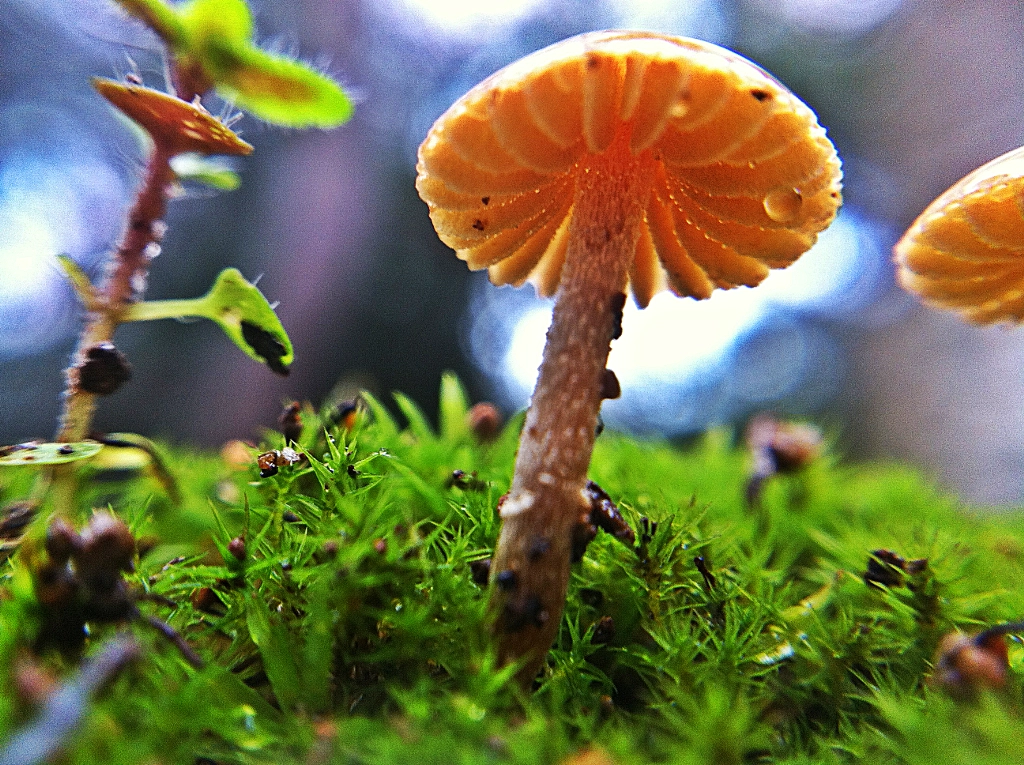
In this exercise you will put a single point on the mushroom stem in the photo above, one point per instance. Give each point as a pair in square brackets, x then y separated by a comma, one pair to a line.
[530, 571]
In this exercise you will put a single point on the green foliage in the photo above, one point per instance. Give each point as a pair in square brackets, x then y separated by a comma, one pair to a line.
[162, 18]
[276, 88]
[79, 280]
[240, 309]
[337, 610]
[215, 37]
[209, 171]
[39, 454]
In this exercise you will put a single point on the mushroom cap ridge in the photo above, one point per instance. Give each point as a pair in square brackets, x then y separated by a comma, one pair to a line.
[965, 252]
[746, 178]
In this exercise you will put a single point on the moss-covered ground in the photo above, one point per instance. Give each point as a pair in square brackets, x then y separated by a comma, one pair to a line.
[352, 626]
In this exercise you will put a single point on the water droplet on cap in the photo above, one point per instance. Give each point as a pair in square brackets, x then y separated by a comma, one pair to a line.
[680, 107]
[783, 205]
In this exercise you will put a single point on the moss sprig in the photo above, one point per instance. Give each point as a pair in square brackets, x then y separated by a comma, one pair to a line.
[338, 613]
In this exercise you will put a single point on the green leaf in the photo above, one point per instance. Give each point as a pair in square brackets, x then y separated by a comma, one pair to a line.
[453, 408]
[215, 37]
[206, 20]
[317, 654]
[158, 16]
[275, 88]
[272, 640]
[48, 453]
[385, 424]
[242, 312]
[209, 171]
[130, 451]
[74, 273]
[434, 499]
[325, 475]
[223, 687]
[419, 426]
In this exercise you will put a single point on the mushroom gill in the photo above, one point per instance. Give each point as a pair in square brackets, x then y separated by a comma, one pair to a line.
[745, 178]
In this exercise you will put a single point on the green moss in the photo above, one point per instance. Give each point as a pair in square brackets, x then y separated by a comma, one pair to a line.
[351, 629]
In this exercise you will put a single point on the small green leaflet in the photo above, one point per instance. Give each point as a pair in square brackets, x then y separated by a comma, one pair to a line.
[228, 20]
[158, 16]
[79, 280]
[271, 638]
[242, 312]
[453, 408]
[35, 453]
[276, 88]
[209, 171]
[217, 37]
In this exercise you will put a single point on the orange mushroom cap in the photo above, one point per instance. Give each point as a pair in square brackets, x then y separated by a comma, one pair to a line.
[177, 125]
[746, 177]
[965, 252]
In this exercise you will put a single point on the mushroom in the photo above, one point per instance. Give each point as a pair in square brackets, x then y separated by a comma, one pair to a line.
[965, 252]
[608, 159]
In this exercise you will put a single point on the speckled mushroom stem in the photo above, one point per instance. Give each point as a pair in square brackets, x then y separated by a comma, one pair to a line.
[530, 570]
[122, 284]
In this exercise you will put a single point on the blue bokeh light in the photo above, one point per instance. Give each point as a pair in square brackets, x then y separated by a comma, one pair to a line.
[686, 364]
[64, 199]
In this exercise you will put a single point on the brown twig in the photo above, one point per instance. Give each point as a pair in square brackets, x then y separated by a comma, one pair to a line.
[124, 282]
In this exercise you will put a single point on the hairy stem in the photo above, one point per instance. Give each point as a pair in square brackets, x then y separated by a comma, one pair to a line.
[125, 279]
[530, 571]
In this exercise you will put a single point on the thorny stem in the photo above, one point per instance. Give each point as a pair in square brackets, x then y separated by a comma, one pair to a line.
[530, 571]
[124, 280]
[189, 79]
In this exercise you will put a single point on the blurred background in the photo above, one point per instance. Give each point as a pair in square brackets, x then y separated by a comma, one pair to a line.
[915, 93]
